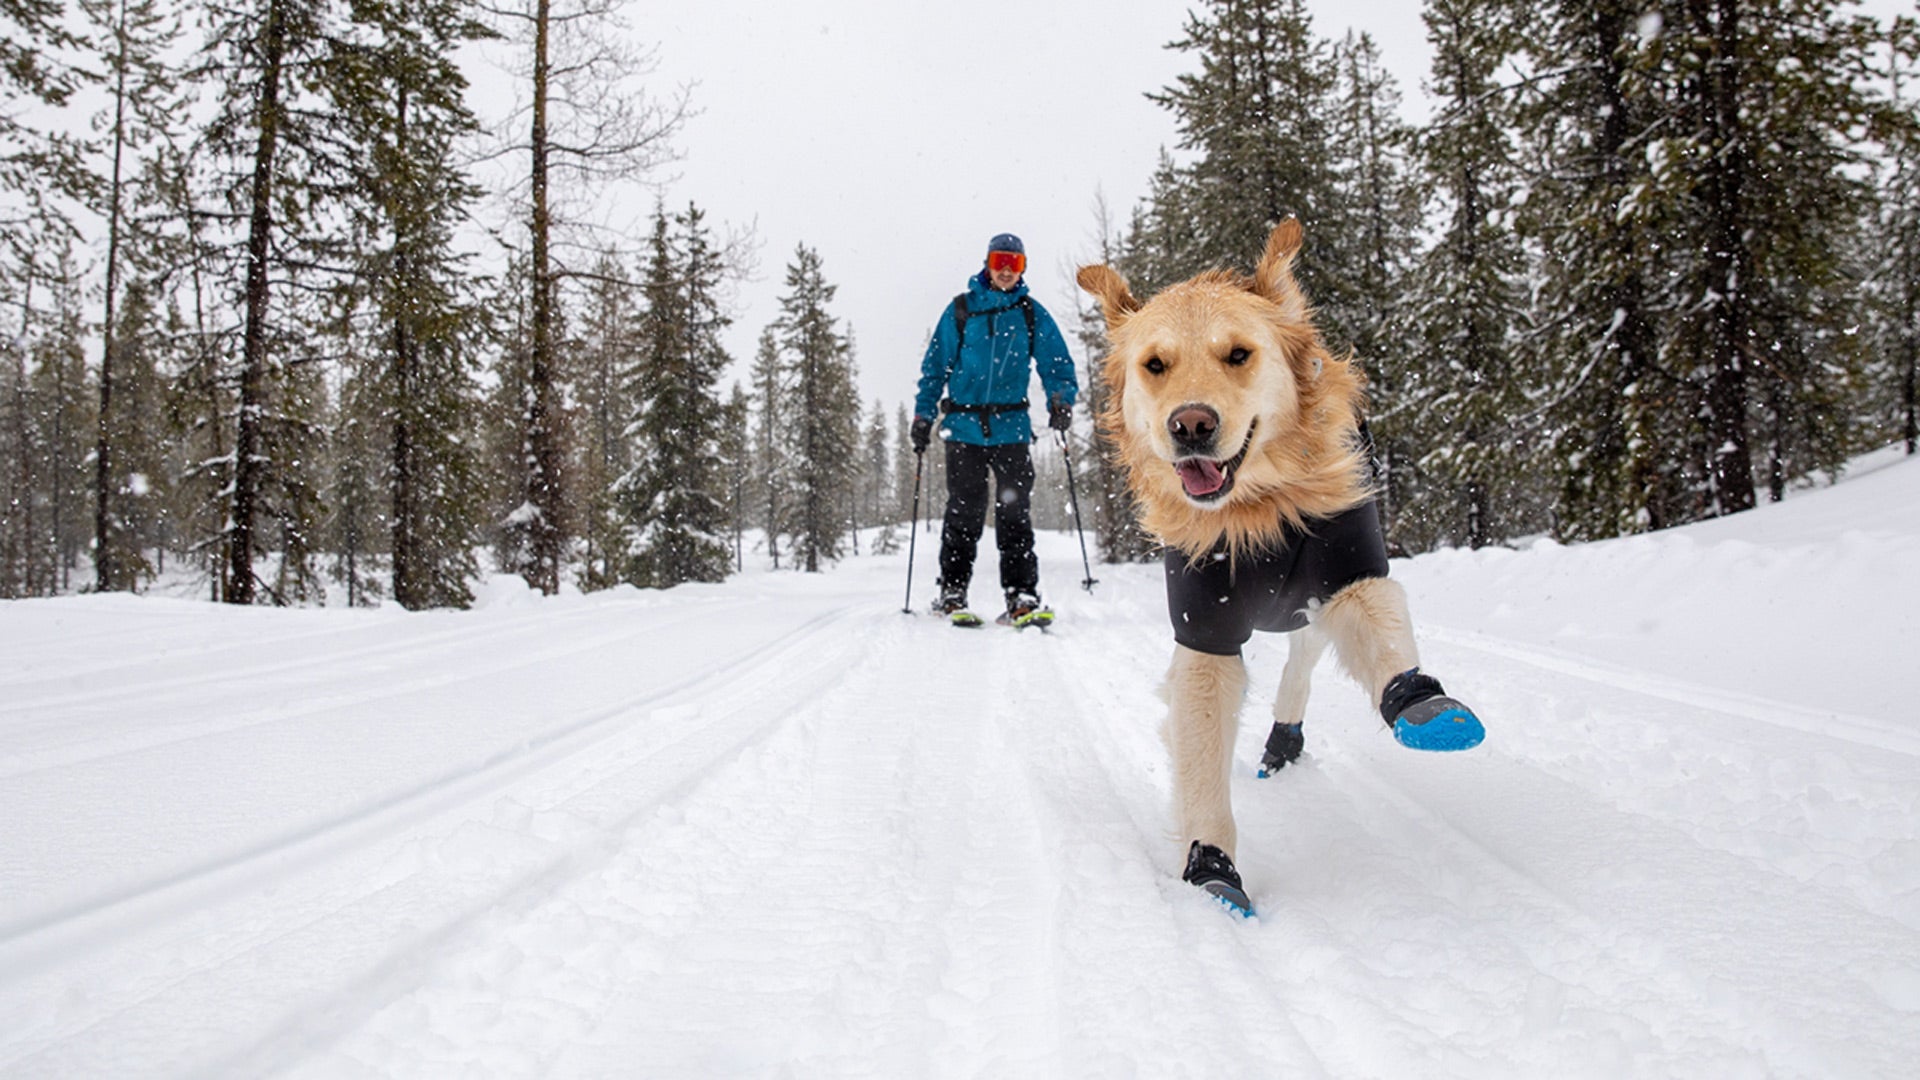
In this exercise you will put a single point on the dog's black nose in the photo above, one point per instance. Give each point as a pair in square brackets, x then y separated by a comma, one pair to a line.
[1193, 426]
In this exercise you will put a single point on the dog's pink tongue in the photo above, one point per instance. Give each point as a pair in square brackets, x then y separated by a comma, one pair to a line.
[1200, 476]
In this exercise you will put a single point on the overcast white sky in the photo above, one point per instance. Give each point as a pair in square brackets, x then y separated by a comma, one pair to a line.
[897, 137]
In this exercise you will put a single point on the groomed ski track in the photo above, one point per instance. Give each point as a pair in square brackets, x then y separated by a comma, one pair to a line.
[779, 828]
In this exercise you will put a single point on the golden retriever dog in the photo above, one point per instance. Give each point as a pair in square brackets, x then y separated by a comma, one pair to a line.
[1239, 435]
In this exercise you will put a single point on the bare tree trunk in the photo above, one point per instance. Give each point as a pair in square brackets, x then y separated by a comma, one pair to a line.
[110, 571]
[253, 352]
[1731, 463]
[543, 491]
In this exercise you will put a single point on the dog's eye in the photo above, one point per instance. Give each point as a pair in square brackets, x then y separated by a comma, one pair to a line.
[1155, 366]
[1237, 357]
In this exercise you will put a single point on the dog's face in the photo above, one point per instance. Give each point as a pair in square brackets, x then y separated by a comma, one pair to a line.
[1219, 399]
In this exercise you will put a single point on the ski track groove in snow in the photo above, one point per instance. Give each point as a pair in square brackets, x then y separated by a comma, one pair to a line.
[826, 839]
[413, 900]
[1866, 731]
[152, 694]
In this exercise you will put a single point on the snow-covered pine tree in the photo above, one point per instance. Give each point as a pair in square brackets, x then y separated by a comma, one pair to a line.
[674, 495]
[1378, 218]
[278, 144]
[905, 462]
[607, 339]
[772, 483]
[1462, 393]
[1896, 267]
[1595, 216]
[1762, 164]
[823, 413]
[46, 427]
[141, 476]
[1256, 118]
[396, 84]
[1106, 502]
[876, 473]
[736, 466]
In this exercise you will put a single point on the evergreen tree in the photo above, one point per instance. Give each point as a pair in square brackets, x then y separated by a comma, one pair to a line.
[273, 124]
[586, 126]
[736, 465]
[876, 503]
[142, 111]
[1897, 270]
[1464, 392]
[823, 417]
[1379, 218]
[1256, 117]
[398, 87]
[141, 474]
[609, 337]
[41, 167]
[675, 495]
[906, 466]
[45, 425]
[1594, 208]
[773, 473]
[1104, 489]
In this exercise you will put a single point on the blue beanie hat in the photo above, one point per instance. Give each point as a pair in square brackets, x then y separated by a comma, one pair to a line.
[1006, 241]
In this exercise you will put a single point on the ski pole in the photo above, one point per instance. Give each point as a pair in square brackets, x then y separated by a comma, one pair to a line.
[913, 531]
[1073, 497]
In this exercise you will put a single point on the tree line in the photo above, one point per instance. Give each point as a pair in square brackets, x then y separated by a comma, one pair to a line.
[255, 335]
[1648, 259]
[281, 314]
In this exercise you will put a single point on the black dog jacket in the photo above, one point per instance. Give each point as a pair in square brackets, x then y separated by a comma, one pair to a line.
[1217, 603]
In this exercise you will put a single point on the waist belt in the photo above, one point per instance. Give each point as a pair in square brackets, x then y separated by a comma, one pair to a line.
[984, 412]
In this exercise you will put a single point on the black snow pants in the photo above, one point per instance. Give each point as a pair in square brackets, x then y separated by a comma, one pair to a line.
[967, 468]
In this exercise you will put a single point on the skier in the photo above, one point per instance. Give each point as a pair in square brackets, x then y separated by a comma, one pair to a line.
[984, 351]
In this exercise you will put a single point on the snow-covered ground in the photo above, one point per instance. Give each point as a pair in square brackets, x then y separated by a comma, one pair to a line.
[778, 828]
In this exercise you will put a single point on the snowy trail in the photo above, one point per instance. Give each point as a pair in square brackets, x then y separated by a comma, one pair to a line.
[777, 828]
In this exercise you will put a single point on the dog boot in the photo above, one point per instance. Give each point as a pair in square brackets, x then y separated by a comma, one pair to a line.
[1284, 743]
[1212, 869]
[1423, 717]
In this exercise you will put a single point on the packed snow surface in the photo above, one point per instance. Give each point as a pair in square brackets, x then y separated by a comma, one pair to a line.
[777, 827]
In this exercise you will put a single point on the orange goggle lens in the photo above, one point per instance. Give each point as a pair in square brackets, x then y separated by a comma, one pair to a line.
[1007, 260]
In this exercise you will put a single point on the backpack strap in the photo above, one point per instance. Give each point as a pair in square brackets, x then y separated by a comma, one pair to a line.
[961, 315]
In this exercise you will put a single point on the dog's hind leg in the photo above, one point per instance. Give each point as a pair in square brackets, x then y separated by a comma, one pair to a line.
[1203, 712]
[1371, 632]
[1284, 742]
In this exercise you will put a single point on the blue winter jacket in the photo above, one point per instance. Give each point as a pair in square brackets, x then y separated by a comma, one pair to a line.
[993, 365]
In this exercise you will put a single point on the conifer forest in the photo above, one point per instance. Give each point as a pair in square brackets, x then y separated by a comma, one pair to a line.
[283, 317]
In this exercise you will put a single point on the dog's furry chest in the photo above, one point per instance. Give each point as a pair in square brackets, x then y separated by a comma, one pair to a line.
[1216, 604]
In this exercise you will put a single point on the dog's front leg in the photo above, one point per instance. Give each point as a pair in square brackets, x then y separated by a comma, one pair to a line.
[1373, 636]
[1372, 633]
[1203, 699]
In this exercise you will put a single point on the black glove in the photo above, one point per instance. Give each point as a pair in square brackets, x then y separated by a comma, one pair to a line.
[921, 434]
[1059, 415]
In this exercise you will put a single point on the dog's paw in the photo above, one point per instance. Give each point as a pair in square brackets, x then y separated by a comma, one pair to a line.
[1212, 870]
[1438, 723]
[1284, 744]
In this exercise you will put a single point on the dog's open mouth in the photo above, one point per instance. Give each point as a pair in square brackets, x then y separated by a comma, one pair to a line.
[1208, 479]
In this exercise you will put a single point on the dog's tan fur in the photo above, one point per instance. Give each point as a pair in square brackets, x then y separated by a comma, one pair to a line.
[1296, 409]
[1304, 462]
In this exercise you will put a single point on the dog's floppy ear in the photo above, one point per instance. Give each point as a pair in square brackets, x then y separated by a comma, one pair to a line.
[1273, 278]
[1116, 300]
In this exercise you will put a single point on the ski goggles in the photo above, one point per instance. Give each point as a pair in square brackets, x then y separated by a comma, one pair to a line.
[1006, 260]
